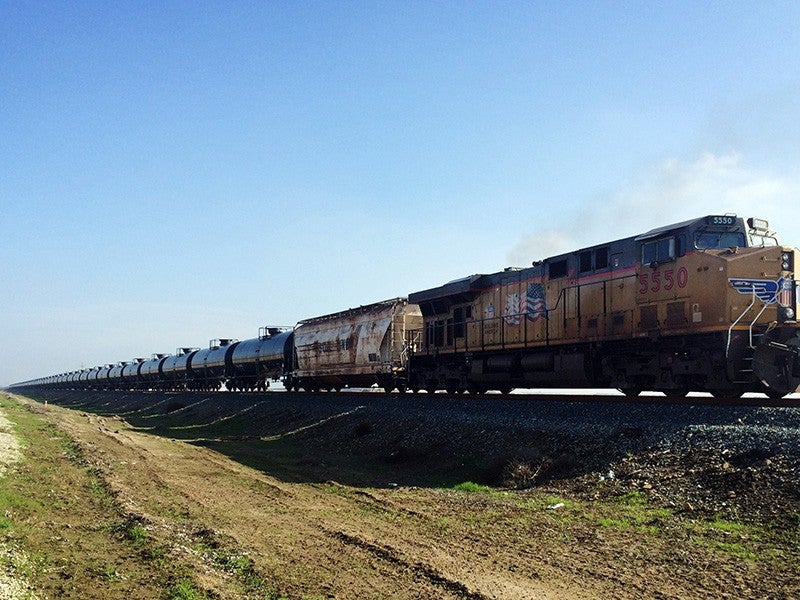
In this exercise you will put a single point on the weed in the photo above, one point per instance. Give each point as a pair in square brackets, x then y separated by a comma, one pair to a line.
[614, 523]
[469, 486]
[727, 526]
[521, 474]
[136, 534]
[106, 572]
[337, 489]
[736, 550]
[185, 589]
[635, 498]
[100, 493]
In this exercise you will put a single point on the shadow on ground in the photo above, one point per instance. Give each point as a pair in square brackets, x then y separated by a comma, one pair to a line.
[370, 440]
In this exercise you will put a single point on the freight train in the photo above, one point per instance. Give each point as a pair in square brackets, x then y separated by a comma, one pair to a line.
[708, 305]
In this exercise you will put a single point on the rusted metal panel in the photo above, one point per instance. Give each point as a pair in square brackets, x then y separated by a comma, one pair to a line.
[368, 340]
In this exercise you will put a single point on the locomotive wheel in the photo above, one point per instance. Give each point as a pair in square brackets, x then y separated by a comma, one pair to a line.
[677, 393]
[506, 390]
[730, 394]
[630, 392]
[774, 394]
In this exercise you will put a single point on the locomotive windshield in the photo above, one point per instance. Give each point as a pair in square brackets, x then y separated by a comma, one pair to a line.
[705, 240]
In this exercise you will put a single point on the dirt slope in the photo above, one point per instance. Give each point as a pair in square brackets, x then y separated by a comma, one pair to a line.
[321, 539]
[241, 532]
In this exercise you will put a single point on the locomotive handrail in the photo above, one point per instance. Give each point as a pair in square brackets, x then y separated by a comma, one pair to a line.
[753, 322]
[740, 317]
[736, 322]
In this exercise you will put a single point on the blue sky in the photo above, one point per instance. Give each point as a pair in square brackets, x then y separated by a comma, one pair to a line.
[176, 172]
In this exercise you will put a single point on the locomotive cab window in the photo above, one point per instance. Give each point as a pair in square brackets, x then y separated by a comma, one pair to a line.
[705, 240]
[591, 260]
[601, 258]
[460, 316]
[658, 251]
[585, 261]
[558, 269]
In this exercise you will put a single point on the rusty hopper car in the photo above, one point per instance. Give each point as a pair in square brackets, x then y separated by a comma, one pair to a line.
[704, 305]
[359, 347]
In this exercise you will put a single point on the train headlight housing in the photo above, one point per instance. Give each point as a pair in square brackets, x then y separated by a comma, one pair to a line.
[786, 261]
[785, 313]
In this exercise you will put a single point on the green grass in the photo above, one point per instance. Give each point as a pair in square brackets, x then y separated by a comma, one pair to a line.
[137, 535]
[469, 486]
[185, 589]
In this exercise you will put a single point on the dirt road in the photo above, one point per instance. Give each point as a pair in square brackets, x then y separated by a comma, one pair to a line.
[238, 532]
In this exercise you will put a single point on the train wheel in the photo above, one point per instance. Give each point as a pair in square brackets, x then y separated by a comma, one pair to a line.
[677, 393]
[774, 394]
[506, 390]
[630, 392]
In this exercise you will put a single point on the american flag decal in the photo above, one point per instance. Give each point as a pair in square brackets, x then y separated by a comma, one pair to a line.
[536, 305]
[784, 292]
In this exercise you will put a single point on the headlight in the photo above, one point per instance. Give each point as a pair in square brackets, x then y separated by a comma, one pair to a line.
[785, 262]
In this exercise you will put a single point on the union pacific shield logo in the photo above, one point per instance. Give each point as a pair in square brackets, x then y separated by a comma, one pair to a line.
[766, 290]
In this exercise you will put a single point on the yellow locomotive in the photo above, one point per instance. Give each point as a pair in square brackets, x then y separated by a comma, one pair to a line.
[704, 305]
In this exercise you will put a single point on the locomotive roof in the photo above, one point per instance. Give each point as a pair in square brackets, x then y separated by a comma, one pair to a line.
[356, 310]
[458, 287]
[462, 290]
[659, 230]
